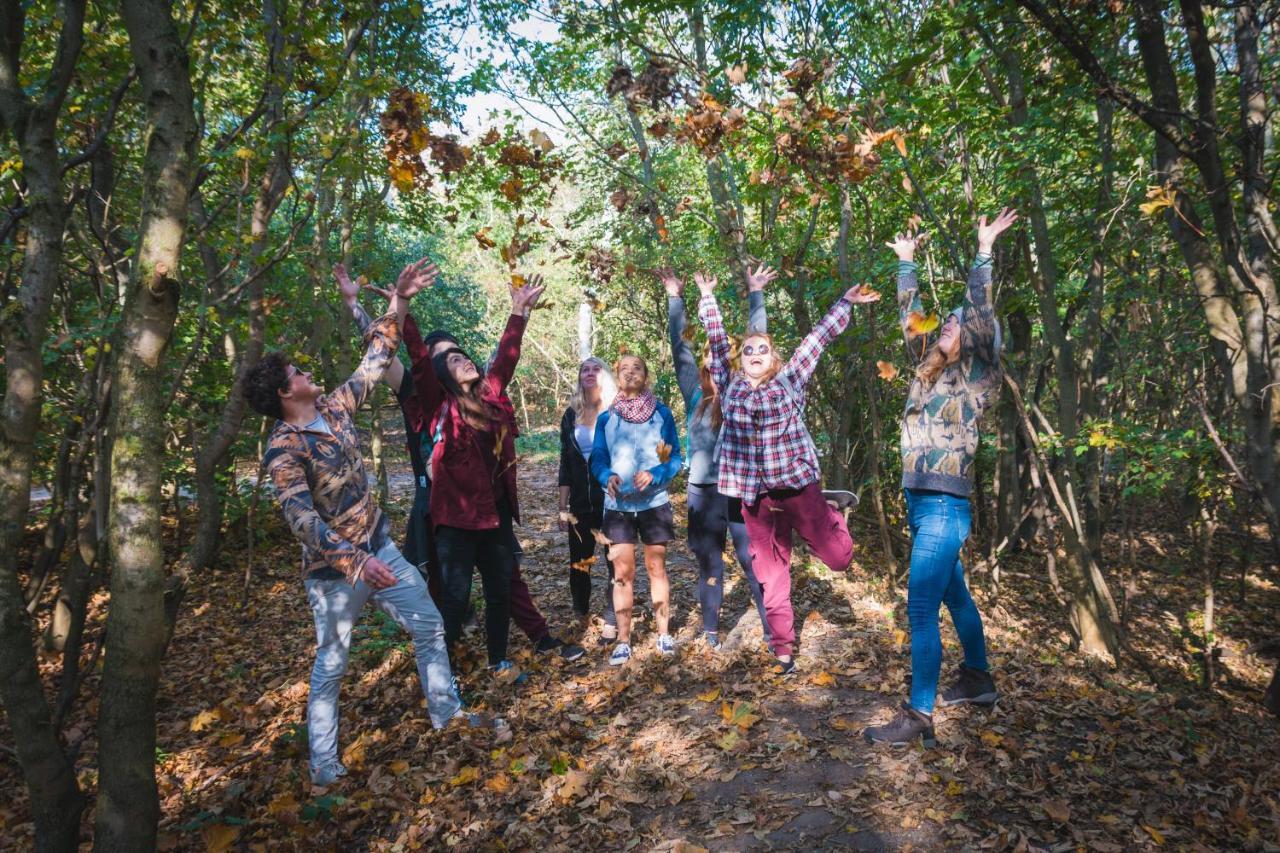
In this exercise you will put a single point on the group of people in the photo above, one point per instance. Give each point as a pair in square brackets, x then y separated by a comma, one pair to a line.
[753, 478]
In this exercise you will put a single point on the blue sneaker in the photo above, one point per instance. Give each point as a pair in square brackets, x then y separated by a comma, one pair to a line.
[457, 691]
[712, 639]
[621, 654]
[507, 671]
[666, 644]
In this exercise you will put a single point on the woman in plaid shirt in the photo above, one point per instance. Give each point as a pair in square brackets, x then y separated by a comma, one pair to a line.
[768, 459]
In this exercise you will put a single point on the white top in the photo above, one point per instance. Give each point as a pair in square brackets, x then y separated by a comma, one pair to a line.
[585, 436]
[319, 425]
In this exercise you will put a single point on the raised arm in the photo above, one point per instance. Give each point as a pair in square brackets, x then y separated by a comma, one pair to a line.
[904, 246]
[757, 280]
[709, 314]
[523, 300]
[381, 342]
[804, 361]
[294, 496]
[978, 328]
[350, 292]
[685, 363]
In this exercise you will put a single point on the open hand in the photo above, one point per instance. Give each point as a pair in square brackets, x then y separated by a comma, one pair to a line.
[706, 283]
[525, 298]
[673, 283]
[642, 481]
[989, 231]
[349, 290]
[759, 277]
[904, 245]
[861, 294]
[417, 277]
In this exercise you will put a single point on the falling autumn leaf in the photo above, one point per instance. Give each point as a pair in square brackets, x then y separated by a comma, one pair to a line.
[887, 371]
[921, 324]
[664, 451]
[482, 237]
[541, 140]
[601, 538]
[205, 719]
[1158, 199]
[737, 74]
[584, 565]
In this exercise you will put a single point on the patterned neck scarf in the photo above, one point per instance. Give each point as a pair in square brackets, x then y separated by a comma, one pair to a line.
[636, 410]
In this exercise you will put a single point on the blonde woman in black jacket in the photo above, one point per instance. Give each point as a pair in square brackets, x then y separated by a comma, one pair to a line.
[581, 497]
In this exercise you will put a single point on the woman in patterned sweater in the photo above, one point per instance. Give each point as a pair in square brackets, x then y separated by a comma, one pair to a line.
[957, 377]
[768, 459]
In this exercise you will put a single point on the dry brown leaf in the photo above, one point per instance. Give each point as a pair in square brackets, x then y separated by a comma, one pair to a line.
[465, 776]
[887, 371]
[574, 785]
[1059, 811]
[218, 837]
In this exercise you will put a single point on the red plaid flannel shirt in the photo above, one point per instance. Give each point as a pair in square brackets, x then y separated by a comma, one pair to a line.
[764, 443]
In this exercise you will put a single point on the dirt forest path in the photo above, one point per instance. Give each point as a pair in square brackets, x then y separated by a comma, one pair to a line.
[700, 751]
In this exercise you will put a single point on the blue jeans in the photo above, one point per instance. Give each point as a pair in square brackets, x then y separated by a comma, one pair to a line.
[939, 526]
[336, 606]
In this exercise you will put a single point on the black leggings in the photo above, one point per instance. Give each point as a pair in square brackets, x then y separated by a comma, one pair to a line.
[462, 551]
[582, 546]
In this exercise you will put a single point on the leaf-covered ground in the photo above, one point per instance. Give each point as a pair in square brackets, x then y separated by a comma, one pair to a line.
[706, 750]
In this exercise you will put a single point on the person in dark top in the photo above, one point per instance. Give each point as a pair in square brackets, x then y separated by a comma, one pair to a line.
[419, 545]
[581, 497]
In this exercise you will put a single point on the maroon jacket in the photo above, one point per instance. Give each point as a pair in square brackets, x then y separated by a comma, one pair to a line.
[461, 494]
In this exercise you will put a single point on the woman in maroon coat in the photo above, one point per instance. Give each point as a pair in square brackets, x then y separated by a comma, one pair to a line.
[473, 474]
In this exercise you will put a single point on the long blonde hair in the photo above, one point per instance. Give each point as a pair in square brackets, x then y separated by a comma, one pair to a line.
[608, 389]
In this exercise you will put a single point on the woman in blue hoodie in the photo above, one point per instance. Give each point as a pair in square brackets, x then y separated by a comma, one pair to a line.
[635, 456]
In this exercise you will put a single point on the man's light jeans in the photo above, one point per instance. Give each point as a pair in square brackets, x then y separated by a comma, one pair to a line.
[336, 606]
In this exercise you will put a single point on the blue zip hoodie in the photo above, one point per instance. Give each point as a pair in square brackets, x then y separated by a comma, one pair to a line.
[626, 449]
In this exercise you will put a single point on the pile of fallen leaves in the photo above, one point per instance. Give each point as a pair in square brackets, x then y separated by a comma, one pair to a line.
[702, 750]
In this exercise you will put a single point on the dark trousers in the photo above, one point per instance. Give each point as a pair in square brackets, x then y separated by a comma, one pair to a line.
[461, 552]
[523, 611]
[711, 522]
[582, 546]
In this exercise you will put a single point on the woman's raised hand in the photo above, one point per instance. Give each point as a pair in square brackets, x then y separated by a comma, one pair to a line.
[759, 277]
[706, 283]
[525, 298]
[861, 294]
[989, 231]
[672, 283]
[904, 245]
[416, 277]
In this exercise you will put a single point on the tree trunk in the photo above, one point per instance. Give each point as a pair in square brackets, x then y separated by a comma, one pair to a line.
[32, 121]
[128, 808]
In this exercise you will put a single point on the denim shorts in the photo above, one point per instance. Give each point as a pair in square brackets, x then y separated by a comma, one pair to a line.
[653, 526]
